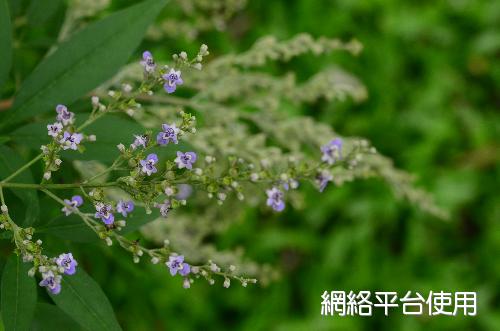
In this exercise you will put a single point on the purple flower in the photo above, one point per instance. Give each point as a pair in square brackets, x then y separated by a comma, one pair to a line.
[184, 191]
[164, 207]
[176, 264]
[323, 178]
[185, 160]
[71, 140]
[140, 141]
[172, 79]
[64, 115]
[169, 134]
[54, 129]
[148, 62]
[148, 165]
[275, 199]
[67, 262]
[51, 282]
[125, 207]
[71, 205]
[332, 151]
[104, 213]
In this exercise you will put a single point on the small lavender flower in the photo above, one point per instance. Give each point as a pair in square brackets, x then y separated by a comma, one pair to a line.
[184, 191]
[332, 151]
[70, 140]
[169, 134]
[54, 129]
[148, 62]
[176, 264]
[275, 199]
[148, 165]
[185, 160]
[71, 205]
[64, 115]
[51, 282]
[104, 212]
[67, 262]
[323, 178]
[125, 207]
[139, 141]
[164, 207]
[172, 79]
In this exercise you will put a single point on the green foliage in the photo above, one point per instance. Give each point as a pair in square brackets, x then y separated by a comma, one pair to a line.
[18, 300]
[5, 41]
[85, 302]
[429, 102]
[86, 60]
[10, 161]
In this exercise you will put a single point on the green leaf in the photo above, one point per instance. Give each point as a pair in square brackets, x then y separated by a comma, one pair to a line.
[18, 295]
[40, 11]
[5, 41]
[10, 161]
[50, 317]
[89, 58]
[82, 299]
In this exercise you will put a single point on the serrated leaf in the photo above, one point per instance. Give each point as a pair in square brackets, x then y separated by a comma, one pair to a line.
[18, 297]
[83, 300]
[10, 161]
[5, 41]
[89, 58]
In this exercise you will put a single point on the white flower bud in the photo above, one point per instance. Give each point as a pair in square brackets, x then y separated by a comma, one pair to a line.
[155, 260]
[240, 196]
[39, 242]
[109, 242]
[211, 281]
[31, 272]
[45, 149]
[121, 147]
[244, 284]
[95, 101]
[166, 242]
[92, 137]
[222, 196]
[2, 226]
[47, 175]
[254, 177]
[203, 49]
[169, 191]
[121, 223]
[127, 88]
[102, 107]
[198, 171]
[136, 259]
[183, 55]
[186, 283]
[227, 282]
[197, 66]
[140, 253]
[195, 270]
[111, 93]
[4, 209]
[235, 184]
[232, 268]
[58, 162]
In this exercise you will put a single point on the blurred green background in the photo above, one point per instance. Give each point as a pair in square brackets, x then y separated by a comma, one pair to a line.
[432, 71]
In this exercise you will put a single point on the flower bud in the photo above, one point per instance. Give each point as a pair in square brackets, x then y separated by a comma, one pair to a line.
[95, 101]
[4, 209]
[92, 137]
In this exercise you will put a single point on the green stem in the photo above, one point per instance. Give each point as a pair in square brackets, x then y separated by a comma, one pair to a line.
[43, 187]
[24, 167]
